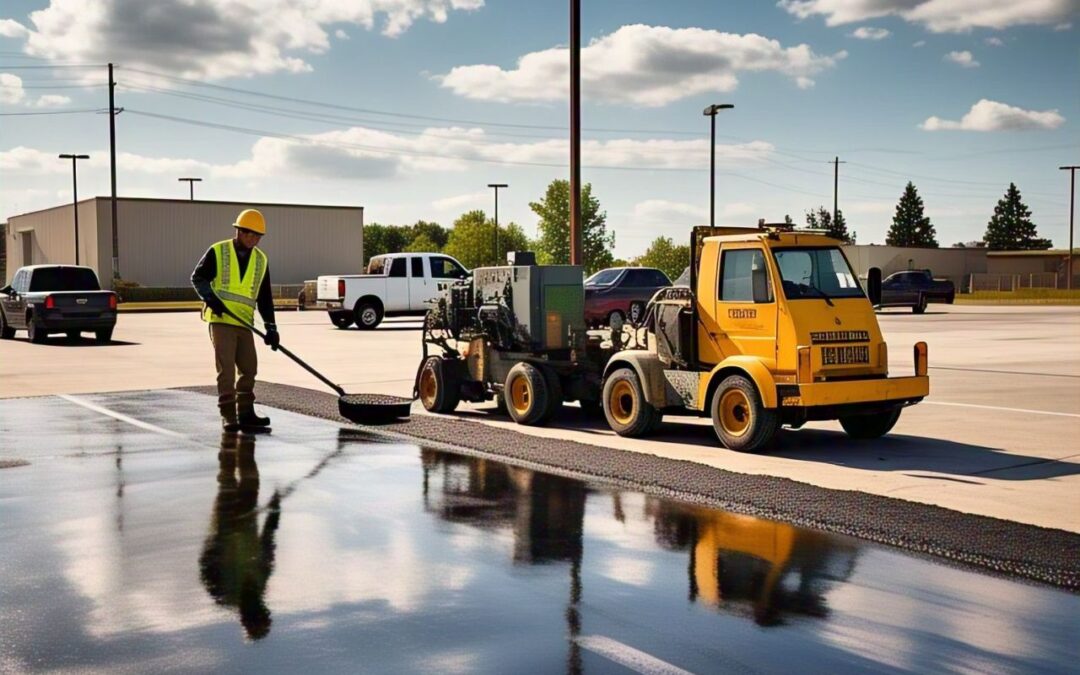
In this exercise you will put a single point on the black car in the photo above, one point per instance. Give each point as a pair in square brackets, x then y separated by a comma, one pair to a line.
[915, 289]
[44, 299]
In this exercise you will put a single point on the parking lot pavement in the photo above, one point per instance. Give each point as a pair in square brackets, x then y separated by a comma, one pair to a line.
[996, 437]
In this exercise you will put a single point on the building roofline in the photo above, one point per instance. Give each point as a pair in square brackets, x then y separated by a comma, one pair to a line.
[188, 201]
[1049, 252]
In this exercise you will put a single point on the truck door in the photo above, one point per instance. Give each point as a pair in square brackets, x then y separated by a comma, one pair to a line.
[397, 286]
[746, 302]
[419, 289]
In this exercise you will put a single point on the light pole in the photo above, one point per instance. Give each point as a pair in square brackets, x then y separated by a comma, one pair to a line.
[710, 112]
[496, 187]
[577, 256]
[191, 185]
[1072, 205]
[75, 196]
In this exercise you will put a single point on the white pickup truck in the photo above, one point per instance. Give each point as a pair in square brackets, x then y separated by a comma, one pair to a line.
[396, 284]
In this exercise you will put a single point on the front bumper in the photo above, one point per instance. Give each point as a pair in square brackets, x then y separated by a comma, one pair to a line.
[846, 392]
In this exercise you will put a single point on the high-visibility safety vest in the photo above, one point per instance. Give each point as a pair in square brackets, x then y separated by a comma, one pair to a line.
[239, 293]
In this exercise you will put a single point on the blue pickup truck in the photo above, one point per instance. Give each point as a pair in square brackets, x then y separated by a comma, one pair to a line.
[915, 289]
[45, 299]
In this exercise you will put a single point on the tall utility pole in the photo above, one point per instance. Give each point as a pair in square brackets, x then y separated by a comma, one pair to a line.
[112, 175]
[191, 185]
[835, 187]
[496, 187]
[710, 112]
[1072, 206]
[576, 257]
[75, 196]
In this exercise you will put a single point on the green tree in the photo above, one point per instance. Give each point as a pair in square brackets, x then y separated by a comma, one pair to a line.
[664, 255]
[1010, 228]
[435, 233]
[472, 240]
[821, 219]
[553, 244]
[910, 226]
[382, 239]
[421, 243]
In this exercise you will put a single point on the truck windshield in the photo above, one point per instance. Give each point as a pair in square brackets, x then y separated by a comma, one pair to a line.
[603, 278]
[63, 279]
[816, 273]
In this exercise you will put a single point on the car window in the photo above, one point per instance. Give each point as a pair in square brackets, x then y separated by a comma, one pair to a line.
[816, 272]
[445, 268]
[738, 269]
[417, 267]
[658, 278]
[376, 265]
[63, 279]
[16, 283]
[397, 267]
[603, 278]
[637, 279]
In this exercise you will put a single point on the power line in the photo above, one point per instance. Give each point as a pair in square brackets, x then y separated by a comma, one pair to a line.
[52, 112]
[52, 66]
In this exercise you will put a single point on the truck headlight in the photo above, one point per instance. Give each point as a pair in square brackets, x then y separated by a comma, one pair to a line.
[921, 365]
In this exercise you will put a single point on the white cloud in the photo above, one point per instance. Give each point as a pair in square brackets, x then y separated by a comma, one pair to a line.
[461, 201]
[653, 212]
[341, 34]
[212, 39]
[1063, 26]
[963, 59]
[920, 43]
[989, 115]
[939, 16]
[51, 101]
[641, 65]
[994, 42]
[12, 29]
[870, 33]
[11, 89]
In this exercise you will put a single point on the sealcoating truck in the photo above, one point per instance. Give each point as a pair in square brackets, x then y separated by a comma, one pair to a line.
[774, 330]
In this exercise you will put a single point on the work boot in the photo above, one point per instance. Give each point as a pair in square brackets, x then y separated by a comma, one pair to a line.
[229, 423]
[248, 418]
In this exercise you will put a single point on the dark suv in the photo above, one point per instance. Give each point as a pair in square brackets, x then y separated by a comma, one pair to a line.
[44, 299]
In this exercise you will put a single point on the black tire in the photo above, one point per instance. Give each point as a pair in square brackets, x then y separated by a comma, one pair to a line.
[528, 399]
[368, 315]
[625, 408]
[611, 317]
[555, 394]
[592, 408]
[921, 307]
[342, 319]
[740, 419]
[34, 332]
[73, 335]
[875, 425]
[439, 386]
[6, 331]
[103, 336]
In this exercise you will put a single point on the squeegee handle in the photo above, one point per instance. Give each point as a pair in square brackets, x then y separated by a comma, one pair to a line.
[299, 361]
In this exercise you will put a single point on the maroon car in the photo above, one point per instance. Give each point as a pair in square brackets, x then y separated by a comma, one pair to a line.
[622, 291]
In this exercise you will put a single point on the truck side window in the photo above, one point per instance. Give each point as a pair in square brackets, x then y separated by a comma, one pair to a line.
[397, 268]
[445, 268]
[417, 267]
[744, 277]
[376, 265]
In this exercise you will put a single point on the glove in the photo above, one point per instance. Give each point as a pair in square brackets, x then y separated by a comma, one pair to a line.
[272, 338]
[216, 305]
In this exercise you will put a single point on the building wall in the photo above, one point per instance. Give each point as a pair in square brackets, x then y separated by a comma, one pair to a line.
[52, 237]
[955, 264]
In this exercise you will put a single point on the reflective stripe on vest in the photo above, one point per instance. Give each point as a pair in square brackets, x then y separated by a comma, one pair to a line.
[238, 292]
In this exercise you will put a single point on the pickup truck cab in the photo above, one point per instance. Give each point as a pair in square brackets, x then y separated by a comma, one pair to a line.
[44, 299]
[396, 284]
[915, 289]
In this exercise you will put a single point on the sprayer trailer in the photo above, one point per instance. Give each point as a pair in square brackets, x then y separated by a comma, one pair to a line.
[774, 330]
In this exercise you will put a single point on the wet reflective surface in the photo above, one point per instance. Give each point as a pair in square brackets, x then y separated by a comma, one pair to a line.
[147, 541]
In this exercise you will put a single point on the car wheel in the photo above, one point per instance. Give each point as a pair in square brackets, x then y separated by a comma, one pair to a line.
[368, 315]
[72, 335]
[6, 331]
[637, 312]
[526, 393]
[921, 307]
[341, 319]
[616, 315]
[440, 391]
[36, 334]
[104, 335]
[740, 419]
[627, 412]
[870, 426]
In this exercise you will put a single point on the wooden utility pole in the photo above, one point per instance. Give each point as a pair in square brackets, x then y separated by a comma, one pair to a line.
[576, 257]
[835, 188]
[1072, 206]
[112, 175]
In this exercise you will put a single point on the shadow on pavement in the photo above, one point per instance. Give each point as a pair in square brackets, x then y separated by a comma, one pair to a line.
[64, 341]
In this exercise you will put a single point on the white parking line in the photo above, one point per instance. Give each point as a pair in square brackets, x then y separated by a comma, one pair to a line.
[995, 407]
[628, 657]
[123, 418]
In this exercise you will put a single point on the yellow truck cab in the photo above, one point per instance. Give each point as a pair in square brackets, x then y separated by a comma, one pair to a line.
[775, 329]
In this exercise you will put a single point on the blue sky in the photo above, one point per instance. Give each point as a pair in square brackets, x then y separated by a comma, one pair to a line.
[960, 97]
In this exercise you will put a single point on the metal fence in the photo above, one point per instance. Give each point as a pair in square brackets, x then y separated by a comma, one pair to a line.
[1012, 282]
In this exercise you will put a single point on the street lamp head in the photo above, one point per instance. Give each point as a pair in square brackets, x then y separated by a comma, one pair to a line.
[497, 185]
[194, 180]
[65, 156]
[717, 107]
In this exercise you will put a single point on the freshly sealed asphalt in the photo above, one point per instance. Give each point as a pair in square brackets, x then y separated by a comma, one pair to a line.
[136, 537]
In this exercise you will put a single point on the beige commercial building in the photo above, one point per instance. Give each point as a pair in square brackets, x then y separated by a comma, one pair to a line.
[955, 264]
[1048, 269]
[159, 241]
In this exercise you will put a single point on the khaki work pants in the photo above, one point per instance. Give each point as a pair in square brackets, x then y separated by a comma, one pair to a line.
[234, 350]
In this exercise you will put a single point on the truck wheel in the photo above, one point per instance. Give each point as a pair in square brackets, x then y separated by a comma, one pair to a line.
[440, 390]
[555, 393]
[740, 419]
[36, 334]
[921, 307]
[368, 315]
[627, 412]
[342, 319]
[870, 426]
[103, 336]
[6, 331]
[528, 399]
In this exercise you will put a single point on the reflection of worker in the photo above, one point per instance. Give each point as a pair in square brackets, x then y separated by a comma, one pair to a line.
[237, 561]
[235, 274]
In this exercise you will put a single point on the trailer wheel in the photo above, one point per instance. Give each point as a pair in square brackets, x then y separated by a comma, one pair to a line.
[528, 395]
[440, 390]
[740, 419]
[627, 412]
[874, 425]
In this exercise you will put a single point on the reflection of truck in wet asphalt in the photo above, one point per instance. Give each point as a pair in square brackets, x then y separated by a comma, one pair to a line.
[774, 330]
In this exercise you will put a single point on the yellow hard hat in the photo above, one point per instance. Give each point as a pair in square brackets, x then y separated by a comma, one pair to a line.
[250, 219]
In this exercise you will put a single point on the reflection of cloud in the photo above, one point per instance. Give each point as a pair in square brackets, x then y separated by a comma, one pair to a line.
[631, 571]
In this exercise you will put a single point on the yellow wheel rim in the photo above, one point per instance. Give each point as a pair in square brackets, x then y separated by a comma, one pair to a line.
[429, 387]
[621, 402]
[520, 395]
[735, 412]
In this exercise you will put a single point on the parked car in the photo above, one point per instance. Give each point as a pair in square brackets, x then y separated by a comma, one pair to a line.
[915, 289]
[622, 292]
[396, 284]
[45, 299]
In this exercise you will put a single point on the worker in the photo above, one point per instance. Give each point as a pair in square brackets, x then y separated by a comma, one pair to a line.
[234, 274]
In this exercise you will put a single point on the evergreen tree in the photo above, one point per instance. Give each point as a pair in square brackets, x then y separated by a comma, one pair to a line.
[910, 226]
[822, 219]
[1010, 228]
[553, 244]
